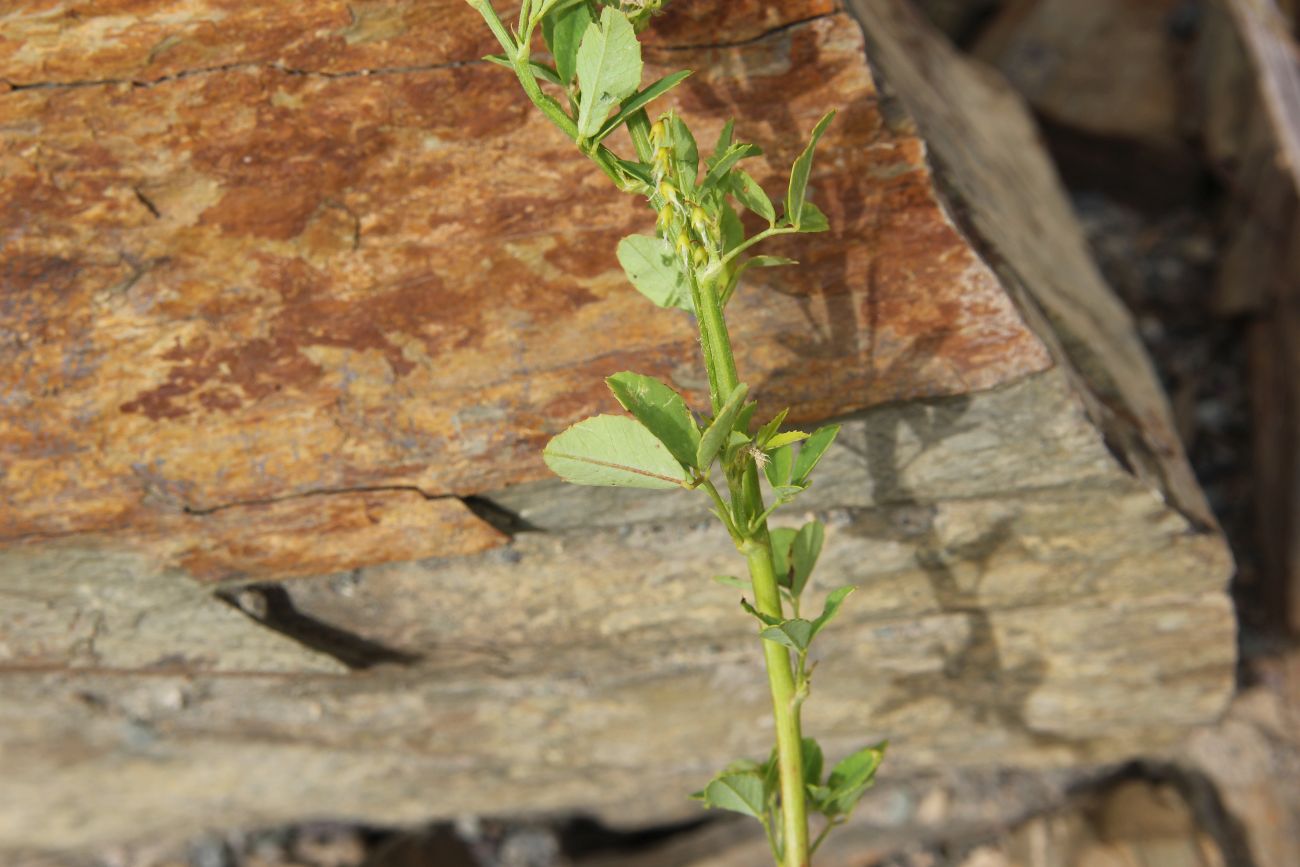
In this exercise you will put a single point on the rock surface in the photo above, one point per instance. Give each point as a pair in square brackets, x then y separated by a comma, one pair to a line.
[268, 315]
[1249, 84]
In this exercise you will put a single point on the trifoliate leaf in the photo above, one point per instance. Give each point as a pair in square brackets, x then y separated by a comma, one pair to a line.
[655, 271]
[662, 410]
[608, 67]
[615, 451]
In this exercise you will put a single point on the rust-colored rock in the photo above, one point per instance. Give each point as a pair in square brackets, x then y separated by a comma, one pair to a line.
[251, 283]
[265, 316]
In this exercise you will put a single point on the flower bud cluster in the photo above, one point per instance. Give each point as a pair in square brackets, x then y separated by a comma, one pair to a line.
[682, 222]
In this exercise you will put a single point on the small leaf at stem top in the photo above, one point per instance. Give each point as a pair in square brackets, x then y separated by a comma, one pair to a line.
[613, 451]
[662, 410]
[563, 31]
[608, 67]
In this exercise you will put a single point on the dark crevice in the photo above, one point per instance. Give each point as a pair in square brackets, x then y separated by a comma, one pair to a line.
[498, 517]
[272, 607]
[148, 204]
[741, 43]
[321, 492]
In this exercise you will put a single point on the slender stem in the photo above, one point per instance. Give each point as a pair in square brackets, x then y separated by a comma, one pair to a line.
[822, 836]
[713, 328]
[723, 512]
[789, 738]
[767, 596]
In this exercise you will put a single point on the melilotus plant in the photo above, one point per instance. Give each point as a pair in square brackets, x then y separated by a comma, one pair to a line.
[694, 261]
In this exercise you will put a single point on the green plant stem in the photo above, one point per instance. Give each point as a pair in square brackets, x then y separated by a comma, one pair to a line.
[757, 548]
[789, 738]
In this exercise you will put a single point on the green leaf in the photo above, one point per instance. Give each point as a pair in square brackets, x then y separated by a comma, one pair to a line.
[851, 777]
[794, 633]
[811, 219]
[767, 431]
[718, 171]
[818, 797]
[780, 463]
[787, 438]
[733, 231]
[720, 430]
[563, 32]
[732, 581]
[616, 451]
[609, 69]
[640, 99]
[539, 70]
[686, 155]
[639, 171]
[740, 793]
[833, 603]
[751, 195]
[810, 453]
[782, 538]
[661, 410]
[735, 442]
[766, 619]
[804, 552]
[812, 761]
[796, 194]
[654, 270]
[723, 143]
[765, 262]
[746, 415]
